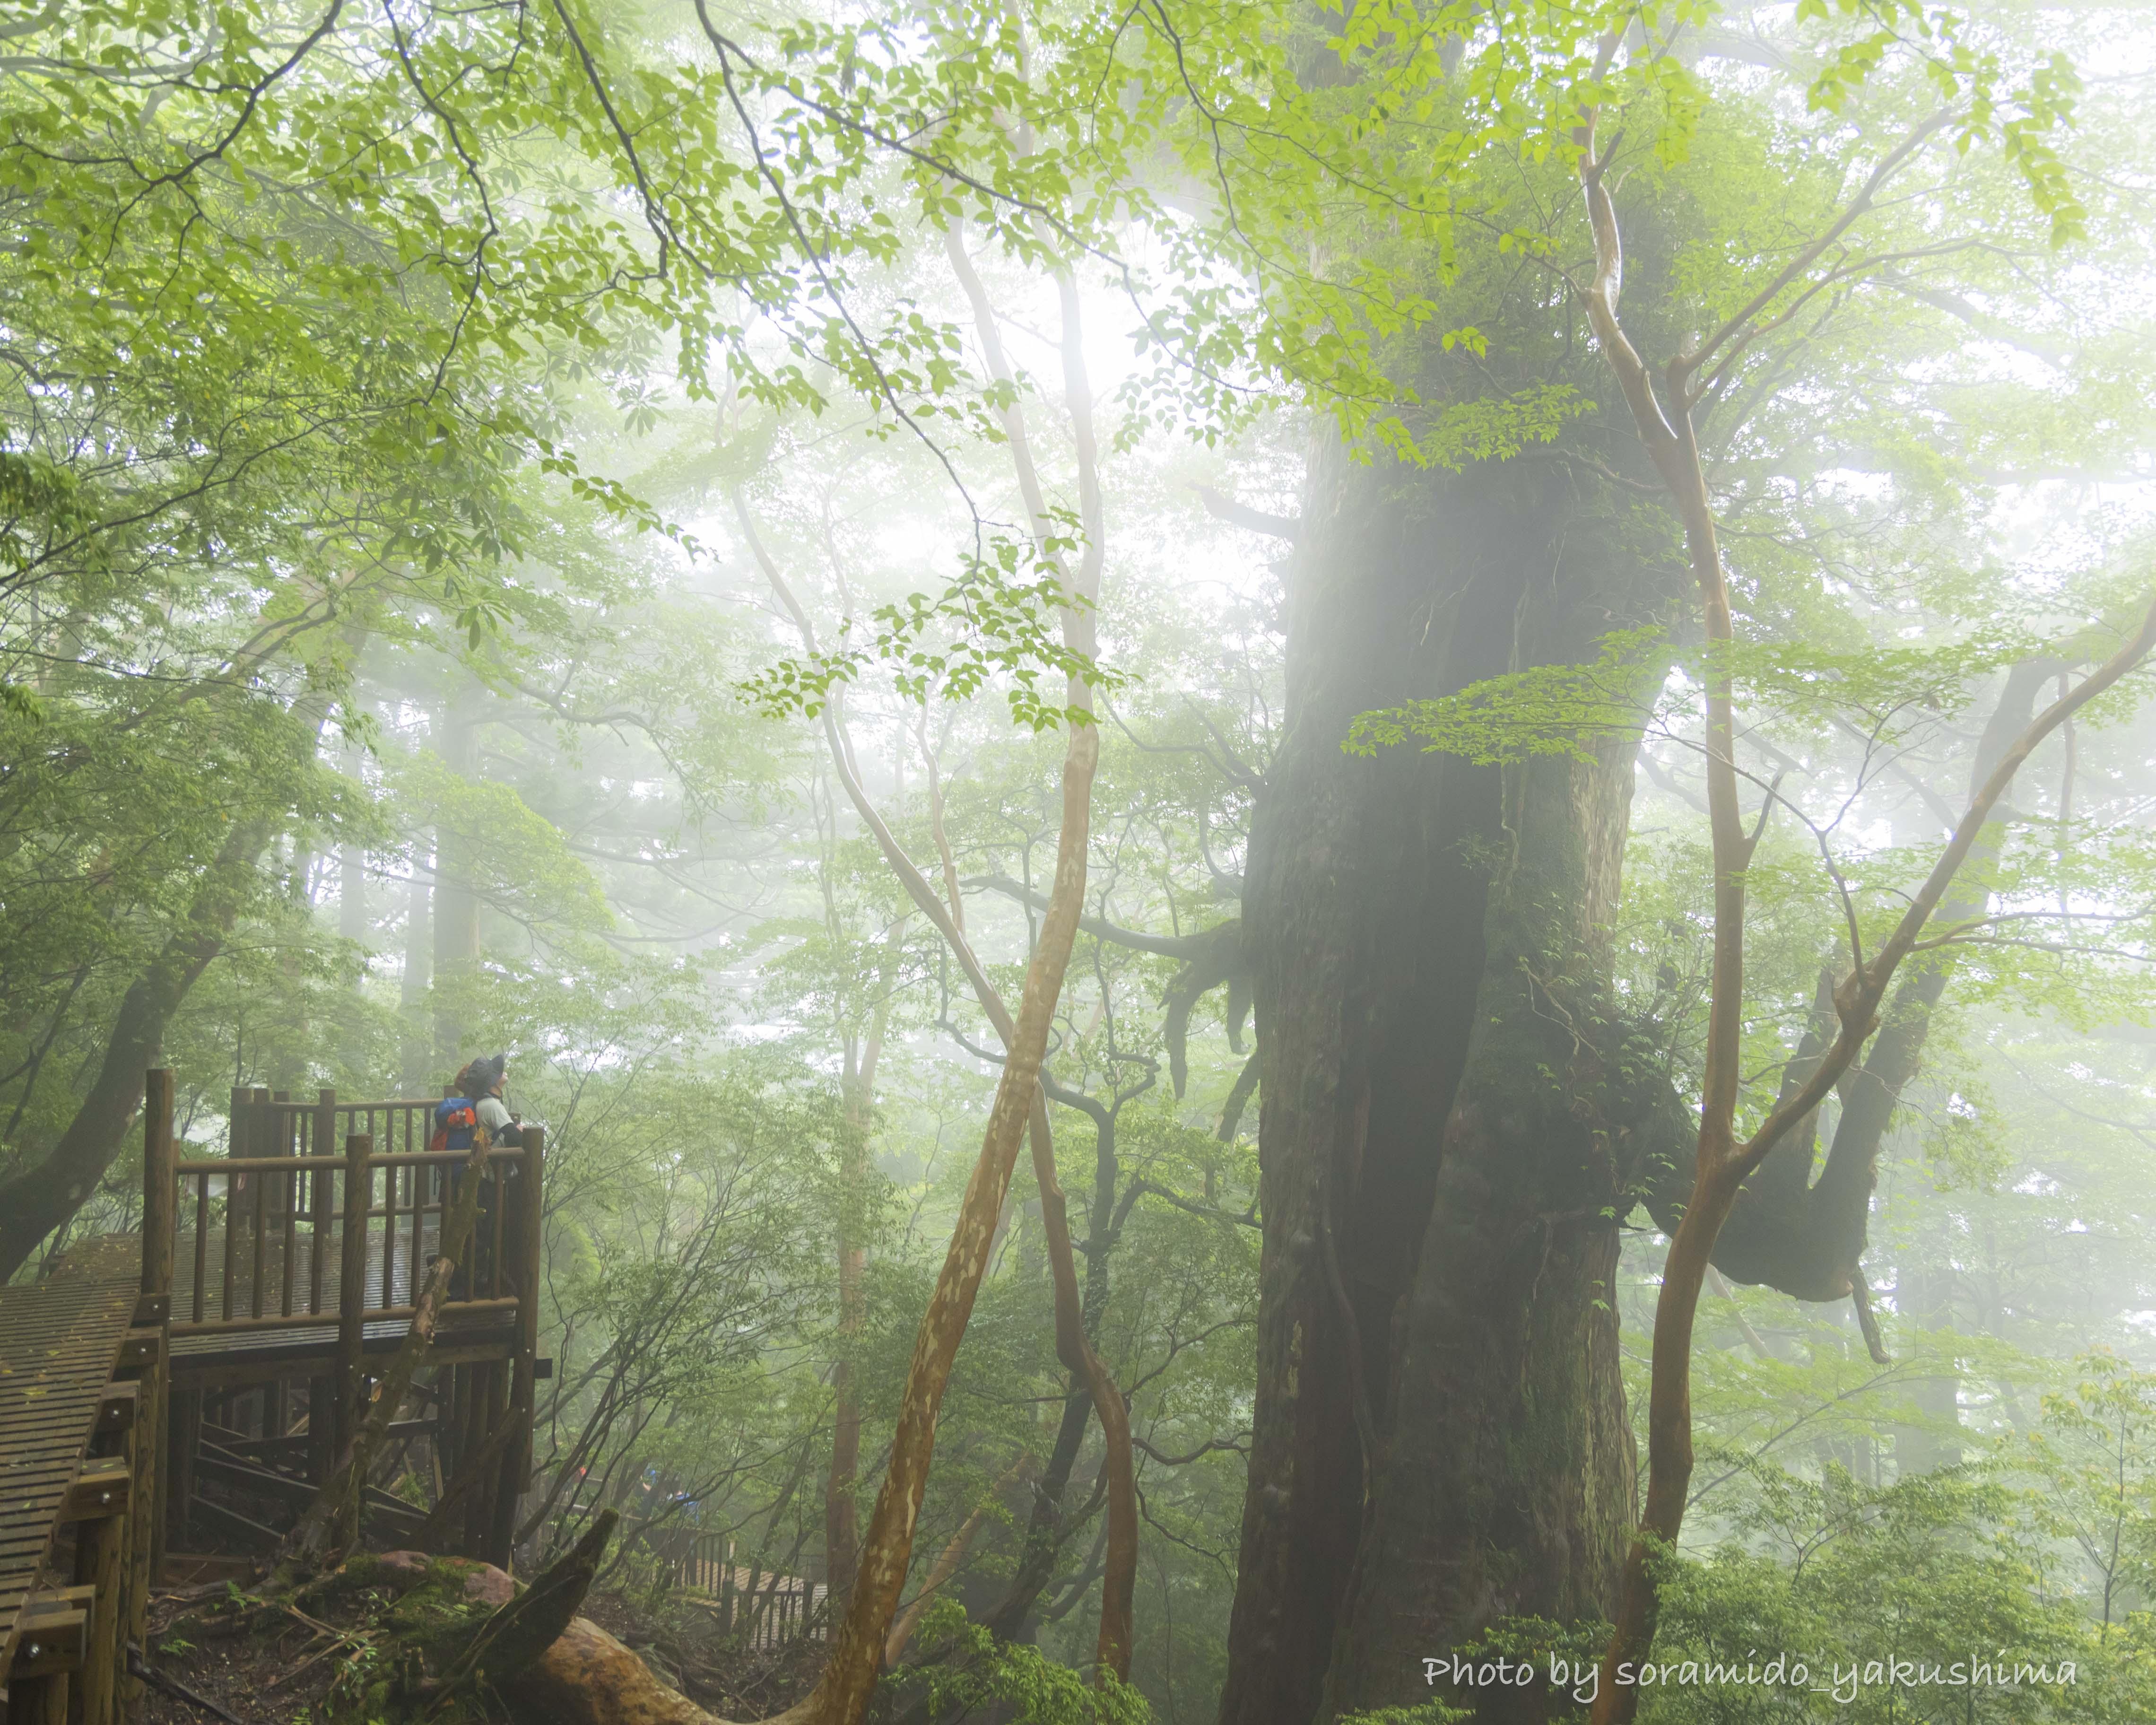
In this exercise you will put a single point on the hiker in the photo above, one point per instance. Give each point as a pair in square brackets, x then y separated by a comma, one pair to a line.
[476, 1103]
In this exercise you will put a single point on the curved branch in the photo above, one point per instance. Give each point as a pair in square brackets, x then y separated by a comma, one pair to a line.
[1253, 521]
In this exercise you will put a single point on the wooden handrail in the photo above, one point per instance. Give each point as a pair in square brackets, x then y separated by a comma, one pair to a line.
[400, 1158]
[324, 1320]
[289, 1106]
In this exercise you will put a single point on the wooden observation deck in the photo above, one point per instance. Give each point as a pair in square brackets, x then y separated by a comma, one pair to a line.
[191, 1387]
[295, 1255]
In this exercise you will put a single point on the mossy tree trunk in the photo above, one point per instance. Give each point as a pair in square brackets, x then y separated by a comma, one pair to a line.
[1440, 1430]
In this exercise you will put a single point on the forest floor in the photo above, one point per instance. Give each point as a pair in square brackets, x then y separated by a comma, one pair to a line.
[283, 1674]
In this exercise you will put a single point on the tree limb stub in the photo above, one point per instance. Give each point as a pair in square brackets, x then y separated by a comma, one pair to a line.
[510, 1641]
[1241, 514]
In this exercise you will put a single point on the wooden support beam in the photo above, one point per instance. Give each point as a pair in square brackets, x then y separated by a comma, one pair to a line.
[531, 1267]
[144, 1448]
[212, 1513]
[184, 1438]
[120, 1407]
[219, 1464]
[55, 1638]
[101, 1491]
[160, 1190]
[302, 1442]
[153, 1385]
[103, 1561]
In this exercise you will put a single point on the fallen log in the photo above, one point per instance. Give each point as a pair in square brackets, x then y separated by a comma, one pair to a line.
[582, 1676]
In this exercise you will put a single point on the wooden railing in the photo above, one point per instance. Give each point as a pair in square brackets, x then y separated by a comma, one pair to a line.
[260, 1228]
[303, 1248]
[766, 1609]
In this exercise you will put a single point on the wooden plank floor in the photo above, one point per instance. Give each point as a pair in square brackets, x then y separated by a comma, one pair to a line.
[59, 1344]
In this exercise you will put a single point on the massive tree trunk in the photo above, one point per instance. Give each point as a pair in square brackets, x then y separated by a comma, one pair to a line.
[1505, 1486]
[1434, 1328]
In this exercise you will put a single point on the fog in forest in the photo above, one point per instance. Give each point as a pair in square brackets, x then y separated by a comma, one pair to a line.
[1311, 846]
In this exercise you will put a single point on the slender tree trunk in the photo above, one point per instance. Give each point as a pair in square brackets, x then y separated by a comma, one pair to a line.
[1664, 422]
[43, 1198]
[1074, 1346]
[290, 1069]
[353, 922]
[414, 1056]
[456, 903]
[841, 1695]
[948, 1559]
[841, 1522]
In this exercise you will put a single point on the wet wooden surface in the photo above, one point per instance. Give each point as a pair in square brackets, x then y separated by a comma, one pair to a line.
[59, 1343]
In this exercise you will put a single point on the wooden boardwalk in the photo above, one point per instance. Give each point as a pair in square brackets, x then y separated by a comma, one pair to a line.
[62, 1340]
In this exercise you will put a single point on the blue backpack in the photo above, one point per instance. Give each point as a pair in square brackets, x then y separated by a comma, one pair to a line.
[456, 1119]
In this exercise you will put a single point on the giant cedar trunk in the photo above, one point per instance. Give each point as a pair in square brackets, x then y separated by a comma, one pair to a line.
[1506, 1484]
[1424, 1271]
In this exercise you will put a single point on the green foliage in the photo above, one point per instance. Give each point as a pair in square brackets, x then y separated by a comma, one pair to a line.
[975, 1670]
[1003, 629]
[1925, 1600]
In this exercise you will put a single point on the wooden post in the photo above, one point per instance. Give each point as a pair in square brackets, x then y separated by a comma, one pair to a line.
[39, 1701]
[351, 1283]
[184, 1443]
[161, 1202]
[527, 1250]
[479, 1379]
[101, 1564]
[318, 1191]
[142, 1445]
[321, 1390]
[235, 1145]
[260, 1137]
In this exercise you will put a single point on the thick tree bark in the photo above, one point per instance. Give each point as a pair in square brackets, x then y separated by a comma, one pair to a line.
[42, 1198]
[1399, 1201]
[1505, 1484]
